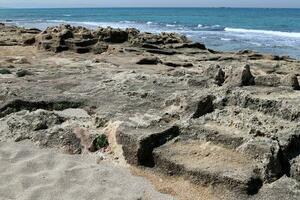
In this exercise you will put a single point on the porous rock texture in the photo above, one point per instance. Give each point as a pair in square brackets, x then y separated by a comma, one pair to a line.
[229, 121]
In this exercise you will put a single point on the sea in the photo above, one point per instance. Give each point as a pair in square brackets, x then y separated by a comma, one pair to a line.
[273, 31]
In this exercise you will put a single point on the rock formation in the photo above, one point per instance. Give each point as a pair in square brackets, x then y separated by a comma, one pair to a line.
[228, 121]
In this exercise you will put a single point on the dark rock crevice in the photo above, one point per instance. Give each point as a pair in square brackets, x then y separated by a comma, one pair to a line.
[18, 105]
[205, 106]
[254, 185]
[286, 154]
[139, 150]
[145, 153]
[289, 152]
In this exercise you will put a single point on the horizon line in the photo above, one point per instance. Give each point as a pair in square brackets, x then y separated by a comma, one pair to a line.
[225, 7]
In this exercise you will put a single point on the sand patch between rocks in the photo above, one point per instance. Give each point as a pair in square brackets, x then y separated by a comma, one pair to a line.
[29, 173]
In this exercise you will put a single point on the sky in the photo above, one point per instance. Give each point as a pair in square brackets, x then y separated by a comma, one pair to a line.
[150, 3]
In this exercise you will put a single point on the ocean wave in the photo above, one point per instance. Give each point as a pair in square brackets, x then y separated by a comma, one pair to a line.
[171, 25]
[56, 21]
[126, 22]
[209, 27]
[265, 32]
[225, 39]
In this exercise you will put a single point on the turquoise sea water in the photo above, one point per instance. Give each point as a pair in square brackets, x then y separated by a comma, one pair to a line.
[275, 31]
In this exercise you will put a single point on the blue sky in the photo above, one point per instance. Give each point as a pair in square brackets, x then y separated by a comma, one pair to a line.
[151, 3]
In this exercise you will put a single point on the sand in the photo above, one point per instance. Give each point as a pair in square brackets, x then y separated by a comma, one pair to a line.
[30, 173]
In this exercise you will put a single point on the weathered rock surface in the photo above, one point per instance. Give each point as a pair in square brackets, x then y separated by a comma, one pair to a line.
[229, 121]
[149, 61]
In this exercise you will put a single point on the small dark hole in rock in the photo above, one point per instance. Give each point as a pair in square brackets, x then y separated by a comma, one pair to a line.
[254, 185]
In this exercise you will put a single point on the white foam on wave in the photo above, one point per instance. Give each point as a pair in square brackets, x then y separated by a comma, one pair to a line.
[265, 32]
[57, 21]
[170, 25]
[226, 39]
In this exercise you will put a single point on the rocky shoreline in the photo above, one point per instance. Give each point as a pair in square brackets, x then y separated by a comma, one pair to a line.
[226, 121]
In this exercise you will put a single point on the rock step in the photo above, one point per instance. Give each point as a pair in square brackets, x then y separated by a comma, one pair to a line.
[216, 134]
[208, 164]
[249, 123]
[138, 144]
[234, 131]
[283, 104]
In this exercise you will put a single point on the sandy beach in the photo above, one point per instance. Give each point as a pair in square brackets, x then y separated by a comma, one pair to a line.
[29, 173]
